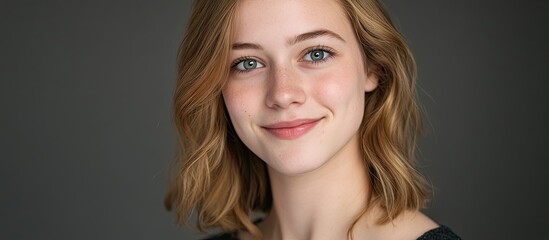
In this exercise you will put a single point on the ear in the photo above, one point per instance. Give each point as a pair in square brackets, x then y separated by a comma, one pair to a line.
[372, 78]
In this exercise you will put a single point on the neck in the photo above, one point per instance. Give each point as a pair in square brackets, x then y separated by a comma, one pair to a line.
[321, 204]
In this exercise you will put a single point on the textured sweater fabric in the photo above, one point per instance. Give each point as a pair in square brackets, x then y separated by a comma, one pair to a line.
[439, 233]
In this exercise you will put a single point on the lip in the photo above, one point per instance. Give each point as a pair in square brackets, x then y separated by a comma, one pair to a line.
[291, 129]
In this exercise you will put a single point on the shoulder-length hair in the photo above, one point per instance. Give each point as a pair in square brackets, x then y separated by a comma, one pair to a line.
[217, 176]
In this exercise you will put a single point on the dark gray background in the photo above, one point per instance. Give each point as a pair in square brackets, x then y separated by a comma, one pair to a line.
[86, 135]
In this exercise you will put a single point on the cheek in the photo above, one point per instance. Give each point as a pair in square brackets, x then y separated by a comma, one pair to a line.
[233, 100]
[340, 87]
[239, 103]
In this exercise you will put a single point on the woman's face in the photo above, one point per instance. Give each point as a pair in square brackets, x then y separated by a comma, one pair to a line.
[295, 95]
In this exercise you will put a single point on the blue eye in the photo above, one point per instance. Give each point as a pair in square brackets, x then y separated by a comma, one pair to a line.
[247, 65]
[316, 55]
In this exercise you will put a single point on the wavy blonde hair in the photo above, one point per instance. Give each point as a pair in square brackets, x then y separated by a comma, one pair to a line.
[217, 176]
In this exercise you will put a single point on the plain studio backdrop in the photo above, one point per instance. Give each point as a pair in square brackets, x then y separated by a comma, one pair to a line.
[86, 135]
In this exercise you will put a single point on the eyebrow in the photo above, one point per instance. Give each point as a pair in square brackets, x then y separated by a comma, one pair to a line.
[238, 46]
[315, 34]
[297, 39]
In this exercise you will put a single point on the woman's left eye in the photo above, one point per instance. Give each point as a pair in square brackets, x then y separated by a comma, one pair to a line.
[247, 64]
[316, 55]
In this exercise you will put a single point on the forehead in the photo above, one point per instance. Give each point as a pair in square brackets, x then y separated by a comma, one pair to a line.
[258, 20]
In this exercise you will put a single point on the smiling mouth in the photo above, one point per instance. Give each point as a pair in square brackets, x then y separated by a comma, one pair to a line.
[291, 130]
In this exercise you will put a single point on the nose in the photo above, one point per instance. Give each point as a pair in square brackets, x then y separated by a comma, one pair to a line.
[284, 89]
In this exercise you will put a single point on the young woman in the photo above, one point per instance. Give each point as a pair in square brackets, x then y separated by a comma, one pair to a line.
[303, 110]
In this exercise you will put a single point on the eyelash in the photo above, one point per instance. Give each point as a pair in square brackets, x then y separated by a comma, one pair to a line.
[331, 53]
[238, 61]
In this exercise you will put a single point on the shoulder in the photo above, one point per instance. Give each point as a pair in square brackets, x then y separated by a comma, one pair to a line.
[223, 236]
[235, 235]
[439, 233]
[408, 225]
[415, 223]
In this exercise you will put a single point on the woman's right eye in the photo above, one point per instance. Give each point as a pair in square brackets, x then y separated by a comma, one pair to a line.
[246, 65]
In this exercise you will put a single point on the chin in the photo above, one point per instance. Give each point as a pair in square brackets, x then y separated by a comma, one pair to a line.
[296, 165]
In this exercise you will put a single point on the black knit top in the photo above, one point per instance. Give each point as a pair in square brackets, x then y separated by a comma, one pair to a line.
[440, 233]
